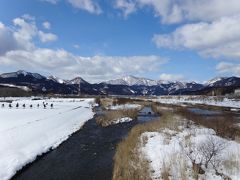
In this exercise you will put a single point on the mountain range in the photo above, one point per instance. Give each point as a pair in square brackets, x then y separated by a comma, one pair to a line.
[128, 85]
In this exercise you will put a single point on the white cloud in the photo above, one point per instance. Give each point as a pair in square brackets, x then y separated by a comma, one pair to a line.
[171, 77]
[7, 39]
[128, 6]
[67, 65]
[231, 68]
[214, 33]
[175, 11]
[20, 52]
[216, 39]
[25, 31]
[88, 5]
[168, 10]
[46, 25]
[51, 1]
[47, 37]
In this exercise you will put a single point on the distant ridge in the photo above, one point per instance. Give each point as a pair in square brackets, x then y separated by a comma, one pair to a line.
[127, 85]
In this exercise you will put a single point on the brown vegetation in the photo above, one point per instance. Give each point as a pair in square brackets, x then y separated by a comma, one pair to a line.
[113, 101]
[109, 117]
[129, 162]
[159, 108]
[223, 125]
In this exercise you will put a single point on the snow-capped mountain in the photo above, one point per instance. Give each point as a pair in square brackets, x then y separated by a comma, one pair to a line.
[211, 82]
[57, 79]
[136, 81]
[77, 80]
[35, 82]
[132, 81]
[22, 73]
[152, 87]
[159, 82]
[128, 85]
[224, 82]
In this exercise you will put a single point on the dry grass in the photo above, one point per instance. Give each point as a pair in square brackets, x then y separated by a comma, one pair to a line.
[113, 101]
[232, 164]
[195, 97]
[159, 108]
[177, 162]
[165, 172]
[120, 101]
[112, 115]
[223, 125]
[129, 162]
[105, 102]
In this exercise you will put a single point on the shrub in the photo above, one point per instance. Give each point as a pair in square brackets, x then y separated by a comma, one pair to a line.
[109, 117]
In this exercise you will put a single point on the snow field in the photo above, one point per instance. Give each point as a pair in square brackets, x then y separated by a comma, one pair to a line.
[168, 152]
[28, 132]
[225, 102]
[125, 106]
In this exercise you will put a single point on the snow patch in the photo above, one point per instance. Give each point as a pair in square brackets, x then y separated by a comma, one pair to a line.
[122, 120]
[28, 132]
[25, 88]
[167, 149]
[125, 106]
[179, 100]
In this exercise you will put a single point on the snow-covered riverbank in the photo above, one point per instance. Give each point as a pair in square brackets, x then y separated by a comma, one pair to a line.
[208, 100]
[125, 107]
[26, 132]
[173, 153]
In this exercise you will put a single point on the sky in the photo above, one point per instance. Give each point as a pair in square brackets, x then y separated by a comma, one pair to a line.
[99, 40]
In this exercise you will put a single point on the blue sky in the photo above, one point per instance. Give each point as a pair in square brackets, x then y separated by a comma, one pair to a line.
[106, 39]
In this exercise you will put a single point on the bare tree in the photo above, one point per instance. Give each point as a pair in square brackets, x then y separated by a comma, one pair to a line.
[210, 151]
[190, 149]
[205, 154]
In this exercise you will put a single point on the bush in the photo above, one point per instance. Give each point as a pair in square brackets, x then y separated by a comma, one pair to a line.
[112, 115]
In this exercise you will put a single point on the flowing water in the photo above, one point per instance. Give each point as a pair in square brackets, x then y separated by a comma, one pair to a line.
[86, 155]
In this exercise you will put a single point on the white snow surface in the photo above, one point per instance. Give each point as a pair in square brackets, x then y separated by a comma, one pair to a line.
[25, 88]
[28, 132]
[213, 101]
[166, 150]
[125, 106]
[76, 80]
[21, 72]
[122, 120]
[214, 80]
[57, 79]
[131, 81]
